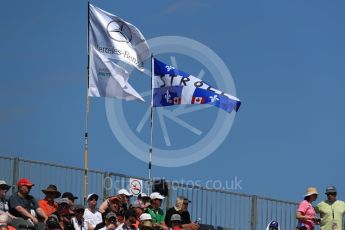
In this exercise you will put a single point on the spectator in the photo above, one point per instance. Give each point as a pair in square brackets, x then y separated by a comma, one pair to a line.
[52, 222]
[25, 206]
[273, 225]
[78, 220]
[331, 210]
[110, 221]
[48, 205]
[145, 222]
[144, 201]
[175, 221]
[137, 208]
[181, 208]
[124, 196]
[110, 205]
[130, 219]
[4, 222]
[4, 206]
[65, 219]
[306, 215]
[69, 196]
[64, 206]
[113, 204]
[91, 215]
[156, 212]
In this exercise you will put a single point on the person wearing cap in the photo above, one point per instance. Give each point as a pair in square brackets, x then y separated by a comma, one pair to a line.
[145, 222]
[69, 196]
[24, 206]
[4, 222]
[144, 201]
[331, 210]
[110, 221]
[65, 219]
[78, 220]
[157, 214]
[273, 225]
[4, 206]
[130, 220]
[64, 206]
[124, 196]
[181, 208]
[52, 223]
[48, 205]
[91, 215]
[175, 221]
[113, 204]
[306, 215]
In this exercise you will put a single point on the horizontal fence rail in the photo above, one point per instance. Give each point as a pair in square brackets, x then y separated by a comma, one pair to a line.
[219, 209]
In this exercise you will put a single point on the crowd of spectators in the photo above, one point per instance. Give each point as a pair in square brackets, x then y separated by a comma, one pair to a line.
[55, 211]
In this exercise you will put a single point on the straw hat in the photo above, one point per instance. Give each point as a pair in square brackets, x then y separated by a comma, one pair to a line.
[311, 191]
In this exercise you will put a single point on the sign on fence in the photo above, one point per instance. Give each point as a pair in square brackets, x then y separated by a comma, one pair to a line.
[136, 186]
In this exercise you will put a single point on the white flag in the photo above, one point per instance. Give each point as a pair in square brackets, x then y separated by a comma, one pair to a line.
[107, 79]
[116, 38]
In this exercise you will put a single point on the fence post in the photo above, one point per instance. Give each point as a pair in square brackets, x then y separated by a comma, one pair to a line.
[107, 183]
[15, 174]
[170, 194]
[254, 213]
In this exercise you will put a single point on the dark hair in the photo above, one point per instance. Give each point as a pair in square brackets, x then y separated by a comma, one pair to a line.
[130, 212]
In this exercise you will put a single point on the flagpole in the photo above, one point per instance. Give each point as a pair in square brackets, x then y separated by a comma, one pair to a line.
[151, 120]
[86, 136]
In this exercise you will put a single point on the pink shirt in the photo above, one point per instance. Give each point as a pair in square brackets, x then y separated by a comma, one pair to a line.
[307, 210]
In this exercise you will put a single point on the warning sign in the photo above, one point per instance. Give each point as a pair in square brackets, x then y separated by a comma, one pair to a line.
[135, 186]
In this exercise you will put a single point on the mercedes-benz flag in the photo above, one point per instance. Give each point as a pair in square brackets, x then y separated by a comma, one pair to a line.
[116, 38]
[108, 79]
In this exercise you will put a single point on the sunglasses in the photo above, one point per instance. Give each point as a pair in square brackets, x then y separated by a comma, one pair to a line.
[332, 194]
[186, 203]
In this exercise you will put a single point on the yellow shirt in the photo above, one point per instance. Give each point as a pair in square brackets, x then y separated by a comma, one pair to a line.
[331, 213]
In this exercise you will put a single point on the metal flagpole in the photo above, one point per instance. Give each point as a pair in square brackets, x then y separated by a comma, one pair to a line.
[86, 149]
[151, 120]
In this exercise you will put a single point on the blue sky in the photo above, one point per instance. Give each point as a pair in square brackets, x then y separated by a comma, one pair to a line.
[286, 59]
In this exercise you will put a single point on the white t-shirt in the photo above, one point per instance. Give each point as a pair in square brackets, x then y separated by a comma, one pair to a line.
[92, 218]
[76, 225]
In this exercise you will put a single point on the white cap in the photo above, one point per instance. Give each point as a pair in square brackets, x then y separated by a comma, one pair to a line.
[143, 195]
[92, 194]
[2, 182]
[145, 216]
[4, 219]
[124, 192]
[156, 195]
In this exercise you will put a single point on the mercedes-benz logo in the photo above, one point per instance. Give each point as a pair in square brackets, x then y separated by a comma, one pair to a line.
[119, 31]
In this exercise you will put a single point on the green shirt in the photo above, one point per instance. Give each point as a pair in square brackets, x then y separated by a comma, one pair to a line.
[326, 210]
[157, 216]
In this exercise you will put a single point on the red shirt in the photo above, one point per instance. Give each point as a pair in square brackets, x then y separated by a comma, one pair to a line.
[48, 208]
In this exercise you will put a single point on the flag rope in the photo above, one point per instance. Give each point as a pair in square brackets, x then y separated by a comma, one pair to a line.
[151, 121]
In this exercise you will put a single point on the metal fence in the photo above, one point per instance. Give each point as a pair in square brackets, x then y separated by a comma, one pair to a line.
[221, 209]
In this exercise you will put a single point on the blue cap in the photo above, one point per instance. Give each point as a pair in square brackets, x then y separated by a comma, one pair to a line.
[274, 224]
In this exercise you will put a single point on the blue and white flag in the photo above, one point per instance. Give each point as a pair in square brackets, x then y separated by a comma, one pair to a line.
[172, 87]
